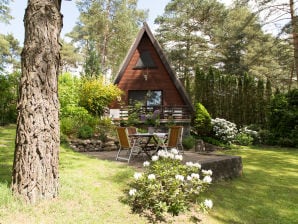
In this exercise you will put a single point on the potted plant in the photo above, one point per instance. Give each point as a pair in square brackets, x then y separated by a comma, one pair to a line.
[151, 119]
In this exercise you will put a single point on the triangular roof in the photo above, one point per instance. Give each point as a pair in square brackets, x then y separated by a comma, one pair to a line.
[172, 74]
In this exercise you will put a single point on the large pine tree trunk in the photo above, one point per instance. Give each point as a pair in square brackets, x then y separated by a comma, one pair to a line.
[295, 36]
[35, 168]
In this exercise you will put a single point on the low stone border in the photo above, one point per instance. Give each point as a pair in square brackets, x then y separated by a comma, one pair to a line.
[92, 145]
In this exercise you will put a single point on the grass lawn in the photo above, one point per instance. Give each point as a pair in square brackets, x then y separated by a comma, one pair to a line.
[266, 193]
[90, 190]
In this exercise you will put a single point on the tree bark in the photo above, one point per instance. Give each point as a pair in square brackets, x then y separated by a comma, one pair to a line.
[35, 168]
[295, 35]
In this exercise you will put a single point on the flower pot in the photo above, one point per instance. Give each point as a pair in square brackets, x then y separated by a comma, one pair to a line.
[150, 130]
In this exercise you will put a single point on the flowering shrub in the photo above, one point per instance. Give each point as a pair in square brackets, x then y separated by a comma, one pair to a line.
[168, 186]
[151, 118]
[246, 136]
[224, 130]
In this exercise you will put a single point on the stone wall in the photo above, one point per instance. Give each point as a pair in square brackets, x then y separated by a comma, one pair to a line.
[224, 167]
[92, 145]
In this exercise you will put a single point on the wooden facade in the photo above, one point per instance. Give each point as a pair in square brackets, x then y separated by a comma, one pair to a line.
[146, 68]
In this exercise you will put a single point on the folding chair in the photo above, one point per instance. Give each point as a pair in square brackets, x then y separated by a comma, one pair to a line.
[174, 137]
[127, 147]
[131, 130]
[180, 145]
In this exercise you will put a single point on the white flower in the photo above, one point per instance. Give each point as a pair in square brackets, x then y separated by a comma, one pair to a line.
[179, 157]
[189, 164]
[161, 153]
[132, 192]
[155, 158]
[179, 177]
[174, 151]
[208, 203]
[137, 175]
[195, 175]
[189, 178]
[146, 163]
[207, 172]
[207, 179]
[197, 165]
[151, 176]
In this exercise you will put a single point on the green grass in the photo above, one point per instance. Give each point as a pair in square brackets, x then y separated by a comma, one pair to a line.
[90, 190]
[266, 193]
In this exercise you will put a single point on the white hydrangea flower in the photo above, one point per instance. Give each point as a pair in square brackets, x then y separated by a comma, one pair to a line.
[179, 157]
[207, 172]
[161, 153]
[146, 163]
[155, 158]
[171, 156]
[189, 178]
[137, 175]
[195, 175]
[189, 163]
[198, 165]
[179, 177]
[207, 179]
[151, 176]
[208, 203]
[132, 192]
[174, 151]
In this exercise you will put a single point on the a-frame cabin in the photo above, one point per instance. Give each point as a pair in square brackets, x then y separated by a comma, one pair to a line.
[147, 76]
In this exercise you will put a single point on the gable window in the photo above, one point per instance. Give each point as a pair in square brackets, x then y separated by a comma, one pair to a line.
[145, 61]
[148, 98]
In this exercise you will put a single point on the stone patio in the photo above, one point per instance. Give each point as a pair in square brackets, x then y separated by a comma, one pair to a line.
[223, 166]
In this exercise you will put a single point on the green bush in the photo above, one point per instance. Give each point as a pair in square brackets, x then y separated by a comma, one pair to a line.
[85, 132]
[243, 139]
[188, 142]
[202, 121]
[63, 138]
[283, 118]
[286, 142]
[214, 141]
[168, 186]
[95, 95]
[67, 126]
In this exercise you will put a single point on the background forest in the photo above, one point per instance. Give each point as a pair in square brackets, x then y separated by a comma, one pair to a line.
[225, 56]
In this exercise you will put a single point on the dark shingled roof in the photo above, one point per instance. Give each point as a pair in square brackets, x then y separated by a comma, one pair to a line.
[176, 81]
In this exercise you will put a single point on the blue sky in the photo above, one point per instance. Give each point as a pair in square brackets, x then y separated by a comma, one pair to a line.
[70, 12]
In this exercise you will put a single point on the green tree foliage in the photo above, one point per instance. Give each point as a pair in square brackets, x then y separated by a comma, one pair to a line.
[68, 94]
[243, 99]
[8, 98]
[70, 57]
[208, 34]
[95, 95]
[193, 23]
[10, 51]
[202, 121]
[72, 116]
[241, 45]
[5, 11]
[283, 119]
[105, 31]
[282, 15]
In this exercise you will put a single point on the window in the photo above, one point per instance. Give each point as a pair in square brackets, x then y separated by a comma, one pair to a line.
[145, 61]
[149, 98]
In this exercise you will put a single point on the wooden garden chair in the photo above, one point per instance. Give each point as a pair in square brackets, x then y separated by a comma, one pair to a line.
[127, 146]
[173, 140]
